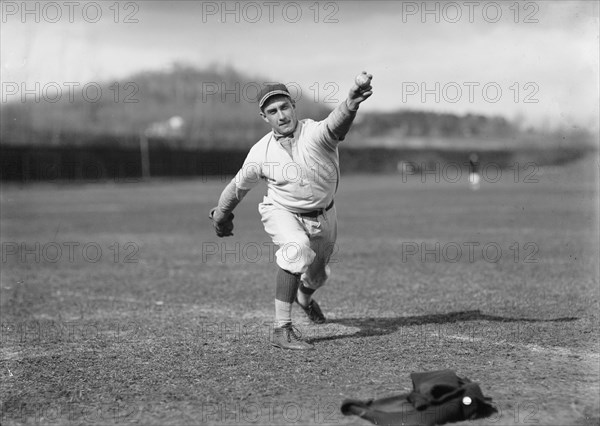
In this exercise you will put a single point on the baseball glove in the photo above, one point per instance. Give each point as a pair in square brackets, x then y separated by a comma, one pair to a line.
[223, 223]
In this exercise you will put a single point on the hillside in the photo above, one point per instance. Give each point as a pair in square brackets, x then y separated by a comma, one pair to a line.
[217, 106]
[218, 109]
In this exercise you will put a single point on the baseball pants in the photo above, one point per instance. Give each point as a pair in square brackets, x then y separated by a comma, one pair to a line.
[305, 244]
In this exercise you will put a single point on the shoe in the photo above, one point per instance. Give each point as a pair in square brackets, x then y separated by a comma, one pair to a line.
[288, 337]
[313, 311]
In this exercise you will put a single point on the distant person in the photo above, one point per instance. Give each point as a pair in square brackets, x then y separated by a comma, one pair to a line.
[474, 175]
[299, 161]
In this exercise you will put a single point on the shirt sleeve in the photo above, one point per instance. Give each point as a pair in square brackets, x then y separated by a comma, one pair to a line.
[249, 175]
[230, 198]
[334, 128]
[251, 172]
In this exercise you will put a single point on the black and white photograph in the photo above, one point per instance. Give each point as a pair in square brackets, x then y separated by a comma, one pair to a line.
[300, 212]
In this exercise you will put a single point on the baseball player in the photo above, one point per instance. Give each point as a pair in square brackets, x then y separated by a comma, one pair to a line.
[474, 175]
[299, 161]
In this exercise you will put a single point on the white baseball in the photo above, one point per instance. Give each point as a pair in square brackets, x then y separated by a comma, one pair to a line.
[362, 80]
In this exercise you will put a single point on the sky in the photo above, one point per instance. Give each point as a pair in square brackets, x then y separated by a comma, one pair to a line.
[535, 62]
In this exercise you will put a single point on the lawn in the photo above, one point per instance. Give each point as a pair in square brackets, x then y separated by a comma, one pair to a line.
[120, 305]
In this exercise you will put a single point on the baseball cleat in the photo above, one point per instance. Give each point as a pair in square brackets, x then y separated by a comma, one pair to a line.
[288, 337]
[313, 312]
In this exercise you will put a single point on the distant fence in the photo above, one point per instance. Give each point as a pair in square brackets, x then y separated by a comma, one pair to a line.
[25, 164]
[115, 164]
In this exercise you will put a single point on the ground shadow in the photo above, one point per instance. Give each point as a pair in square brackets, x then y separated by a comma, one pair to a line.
[383, 326]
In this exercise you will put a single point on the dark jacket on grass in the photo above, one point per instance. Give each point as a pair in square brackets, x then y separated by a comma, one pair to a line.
[438, 397]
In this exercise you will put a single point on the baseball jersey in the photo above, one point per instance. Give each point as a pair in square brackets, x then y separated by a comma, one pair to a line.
[303, 177]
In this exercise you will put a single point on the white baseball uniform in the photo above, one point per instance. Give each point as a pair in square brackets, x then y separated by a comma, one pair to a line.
[302, 175]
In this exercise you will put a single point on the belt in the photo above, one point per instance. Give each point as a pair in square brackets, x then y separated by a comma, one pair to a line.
[318, 212]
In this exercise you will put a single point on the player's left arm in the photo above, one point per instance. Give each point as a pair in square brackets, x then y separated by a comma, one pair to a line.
[335, 127]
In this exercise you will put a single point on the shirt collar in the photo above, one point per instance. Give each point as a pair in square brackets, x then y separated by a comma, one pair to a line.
[279, 136]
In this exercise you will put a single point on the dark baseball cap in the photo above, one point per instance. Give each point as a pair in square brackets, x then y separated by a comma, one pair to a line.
[272, 90]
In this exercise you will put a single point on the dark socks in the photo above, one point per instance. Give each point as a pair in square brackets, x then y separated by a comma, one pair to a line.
[285, 293]
[304, 294]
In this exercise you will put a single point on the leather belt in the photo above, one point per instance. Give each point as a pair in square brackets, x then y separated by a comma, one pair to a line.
[318, 212]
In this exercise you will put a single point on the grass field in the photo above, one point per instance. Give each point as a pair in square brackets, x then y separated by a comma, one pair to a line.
[120, 305]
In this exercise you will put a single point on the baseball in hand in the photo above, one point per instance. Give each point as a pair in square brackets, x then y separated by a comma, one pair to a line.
[362, 80]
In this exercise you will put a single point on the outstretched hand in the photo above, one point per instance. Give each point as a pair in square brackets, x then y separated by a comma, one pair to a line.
[361, 90]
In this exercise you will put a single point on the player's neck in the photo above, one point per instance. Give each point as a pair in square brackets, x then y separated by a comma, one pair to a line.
[287, 135]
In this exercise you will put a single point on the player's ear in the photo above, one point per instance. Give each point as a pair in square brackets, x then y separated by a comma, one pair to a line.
[264, 117]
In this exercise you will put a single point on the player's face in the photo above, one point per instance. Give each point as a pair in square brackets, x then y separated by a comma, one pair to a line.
[280, 113]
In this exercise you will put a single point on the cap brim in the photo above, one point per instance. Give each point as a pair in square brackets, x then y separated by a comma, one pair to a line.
[272, 93]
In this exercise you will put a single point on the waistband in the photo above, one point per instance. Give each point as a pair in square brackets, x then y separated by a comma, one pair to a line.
[318, 212]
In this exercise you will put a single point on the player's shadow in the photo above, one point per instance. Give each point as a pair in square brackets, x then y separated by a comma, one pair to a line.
[369, 327]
